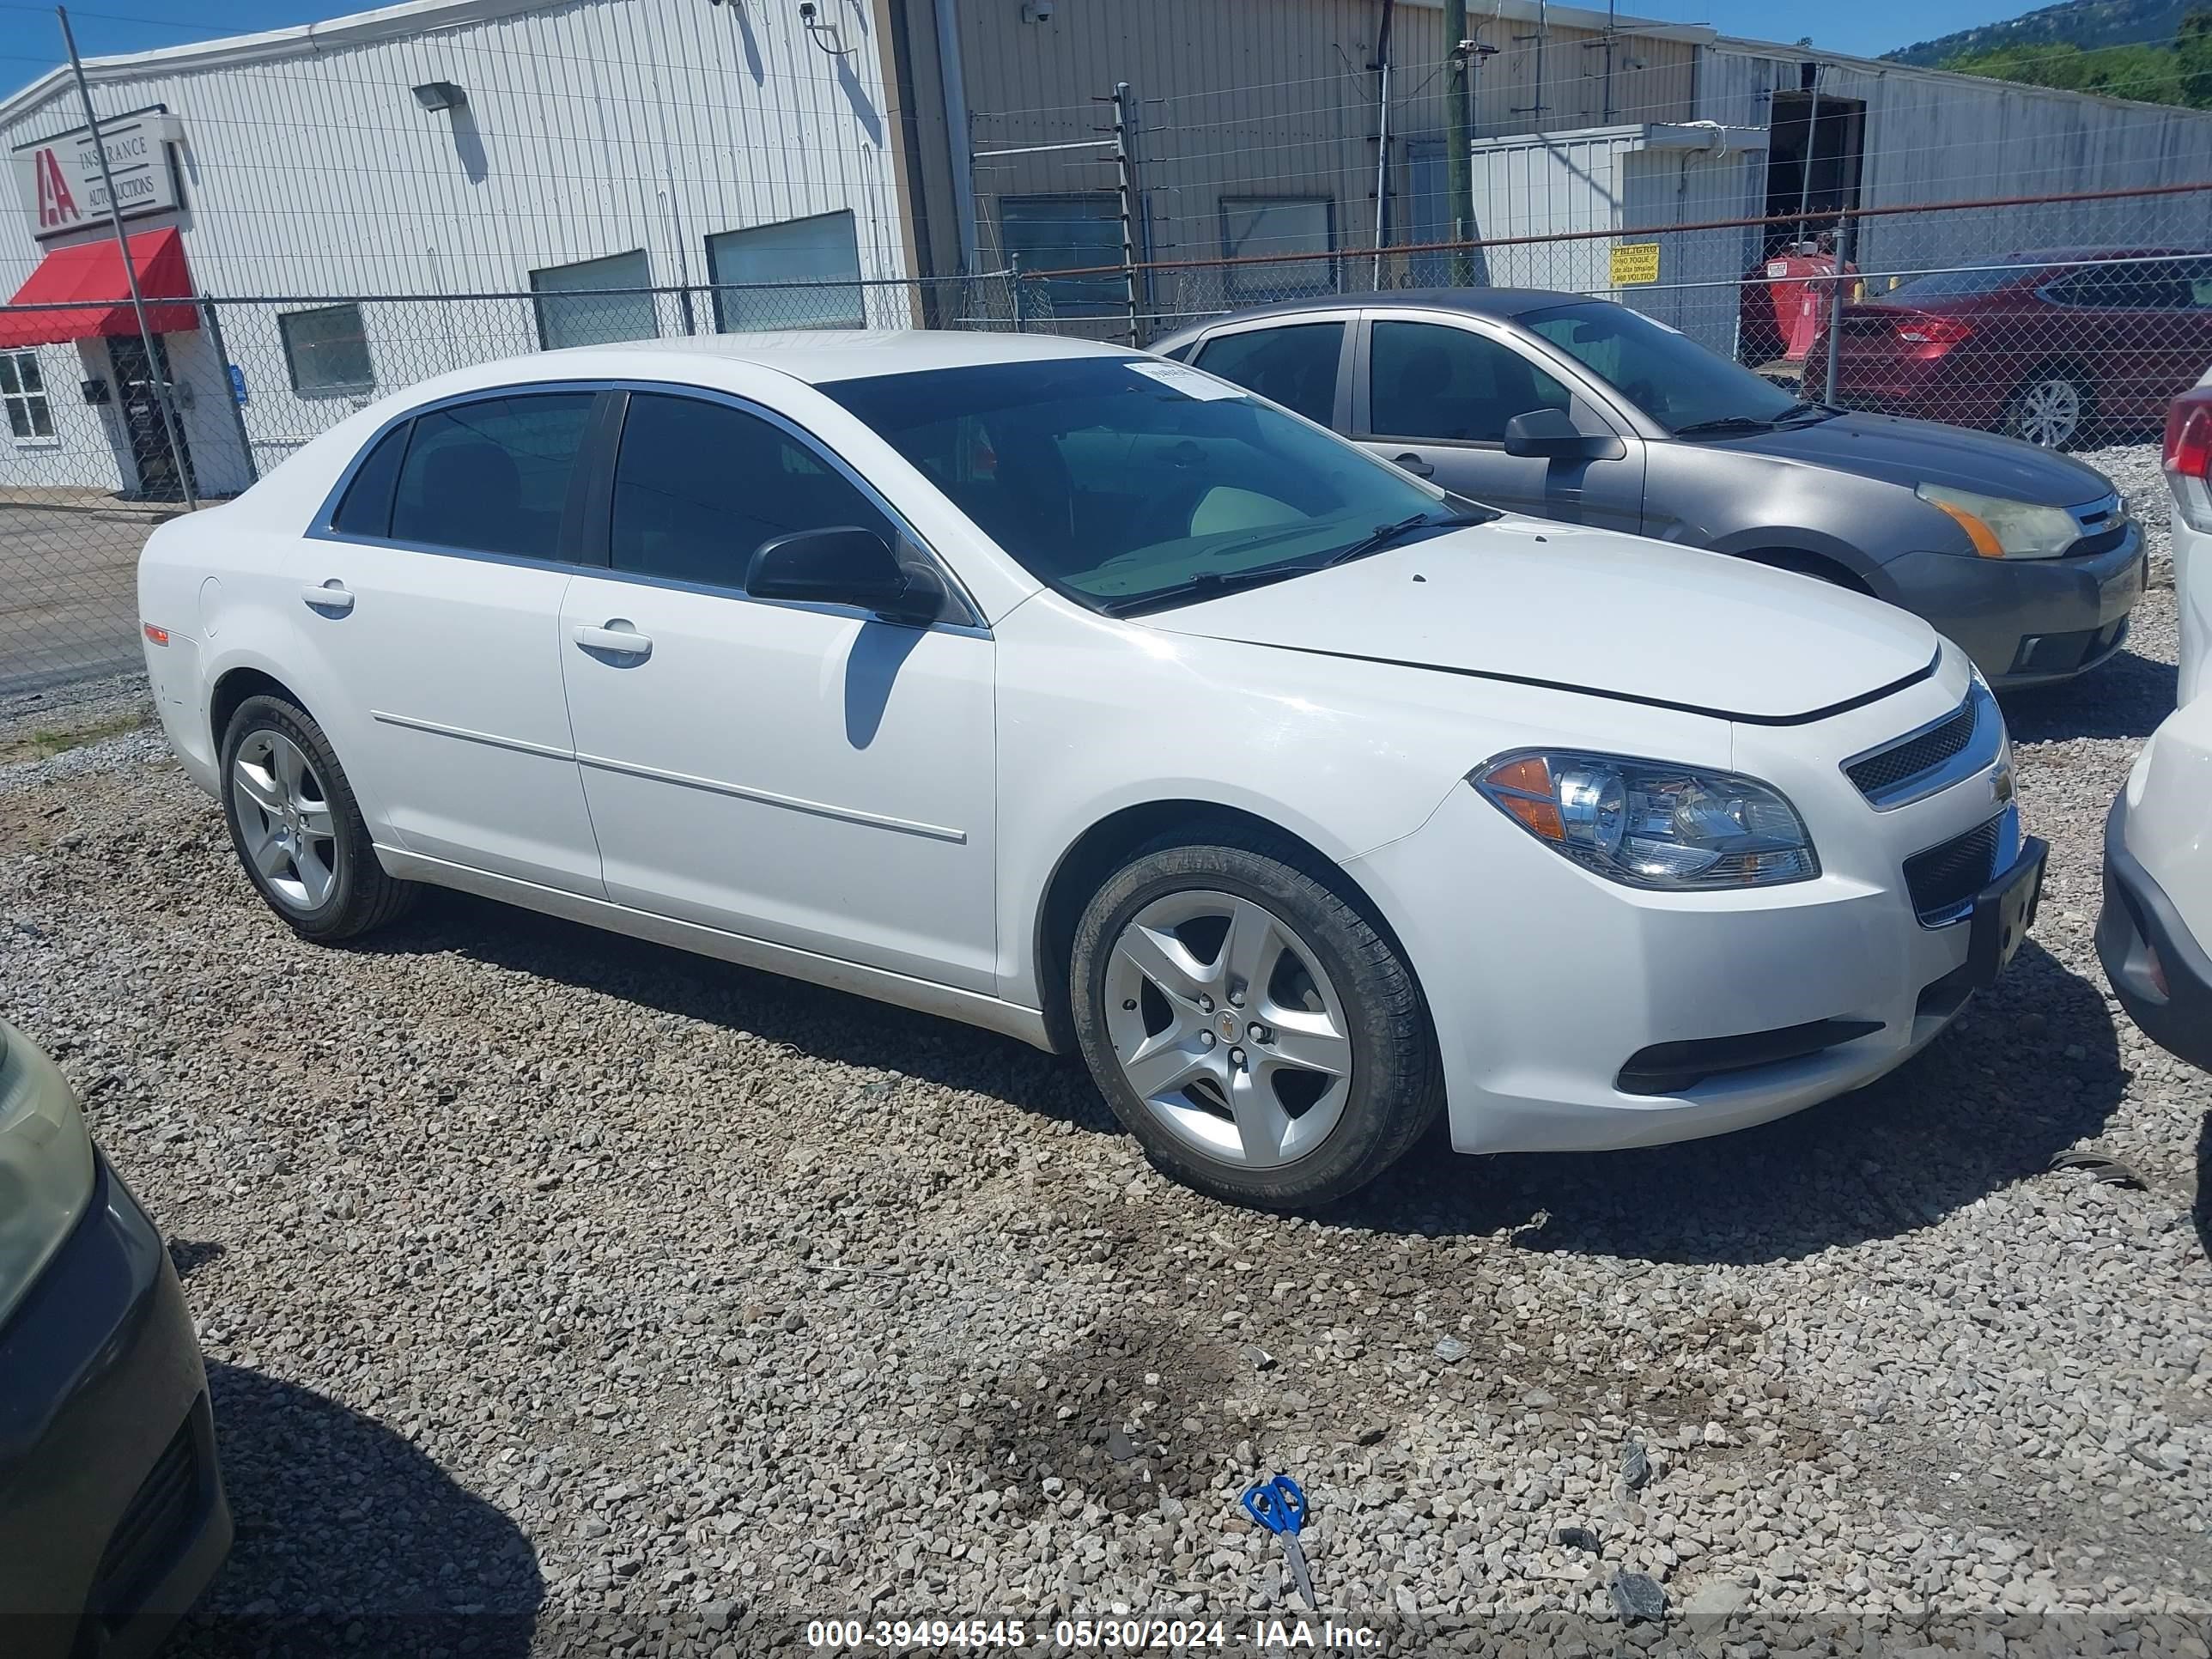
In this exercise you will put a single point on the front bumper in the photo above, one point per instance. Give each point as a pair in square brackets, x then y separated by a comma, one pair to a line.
[2138, 920]
[1562, 1001]
[112, 1517]
[2074, 611]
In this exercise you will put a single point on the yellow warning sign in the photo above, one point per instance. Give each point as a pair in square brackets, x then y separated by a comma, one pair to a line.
[1635, 262]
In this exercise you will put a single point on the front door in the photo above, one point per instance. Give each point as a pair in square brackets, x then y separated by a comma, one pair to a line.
[803, 775]
[161, 469]
[1435, 397]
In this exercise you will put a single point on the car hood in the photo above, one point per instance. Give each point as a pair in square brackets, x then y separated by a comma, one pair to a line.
[1588, 611]
[1910, 452]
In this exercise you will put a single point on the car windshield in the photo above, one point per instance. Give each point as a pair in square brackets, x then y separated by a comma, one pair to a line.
[1955, 284]
[1671, 377]
[1130, 482]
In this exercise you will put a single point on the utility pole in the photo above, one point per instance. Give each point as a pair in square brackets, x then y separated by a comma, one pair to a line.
[153, 359]
[1459, 140]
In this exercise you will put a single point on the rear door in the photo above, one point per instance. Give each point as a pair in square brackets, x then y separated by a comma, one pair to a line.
[431, 592]
[1435, 396]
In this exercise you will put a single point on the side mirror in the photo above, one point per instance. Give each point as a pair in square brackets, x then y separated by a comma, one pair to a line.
[1551, 434]
[845, 564]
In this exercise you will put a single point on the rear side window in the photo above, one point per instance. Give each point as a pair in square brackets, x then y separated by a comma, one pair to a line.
[492, 477]
[367, 509]
[699, 485]
[1294, 367]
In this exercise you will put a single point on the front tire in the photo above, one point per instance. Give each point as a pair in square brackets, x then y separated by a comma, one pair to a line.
[297, 829]
[1250, 1024]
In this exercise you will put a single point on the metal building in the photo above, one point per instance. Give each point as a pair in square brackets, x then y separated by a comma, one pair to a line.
[442, 147]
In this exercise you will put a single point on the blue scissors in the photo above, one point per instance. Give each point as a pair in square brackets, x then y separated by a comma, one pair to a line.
[1280, 1507]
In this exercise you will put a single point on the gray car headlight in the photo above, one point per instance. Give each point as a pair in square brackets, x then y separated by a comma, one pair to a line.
[1651, 824]
[45, 1164]
[2002, 529]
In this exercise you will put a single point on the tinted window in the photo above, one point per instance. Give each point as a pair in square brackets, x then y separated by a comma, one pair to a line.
[1119, 483]
[492, 477]
[594, 302]
[802, 261]
[1293, 367]
[1429, 381]
[2138, 285]
[326, 351]
[367, 508]
[1670, 377]
[1944, 284]
[700, 485]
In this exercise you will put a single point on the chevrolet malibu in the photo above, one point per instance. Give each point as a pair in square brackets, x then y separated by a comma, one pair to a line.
[1087, 697]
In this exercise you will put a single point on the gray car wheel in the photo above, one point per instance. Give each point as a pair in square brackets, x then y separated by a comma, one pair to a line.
[2051, 410]
[297, 829]
[1250, 1023]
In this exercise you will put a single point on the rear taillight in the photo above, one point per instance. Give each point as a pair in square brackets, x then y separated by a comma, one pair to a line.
[2187, 456]
[1933, 330]
[2189, 434]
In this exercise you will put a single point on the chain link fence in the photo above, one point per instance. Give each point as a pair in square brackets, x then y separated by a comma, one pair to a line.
[93, 462]
[2061, 319]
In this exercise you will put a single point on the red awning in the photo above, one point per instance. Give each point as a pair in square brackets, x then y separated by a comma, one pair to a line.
[87, 278]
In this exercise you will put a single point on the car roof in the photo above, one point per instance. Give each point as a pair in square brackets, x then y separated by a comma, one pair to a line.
[1475, 301]
[819, 356]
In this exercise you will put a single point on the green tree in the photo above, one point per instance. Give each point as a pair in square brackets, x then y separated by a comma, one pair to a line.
[2150, 73]
[2192, 52]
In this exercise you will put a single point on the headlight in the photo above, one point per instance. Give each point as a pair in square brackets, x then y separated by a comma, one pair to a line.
[1651, 825]
[45, 1165]
[2000, 528]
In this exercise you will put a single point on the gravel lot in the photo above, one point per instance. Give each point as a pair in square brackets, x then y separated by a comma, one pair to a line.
[563, 1293]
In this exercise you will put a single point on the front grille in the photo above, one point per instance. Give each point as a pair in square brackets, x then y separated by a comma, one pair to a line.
[2102, 542]
[1944, 879]
[159, 1521]
[1881, 774]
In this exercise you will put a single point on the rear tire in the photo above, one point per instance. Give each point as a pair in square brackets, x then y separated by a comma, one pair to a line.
[297, 829]
[2052, 408]
[1248, 1022]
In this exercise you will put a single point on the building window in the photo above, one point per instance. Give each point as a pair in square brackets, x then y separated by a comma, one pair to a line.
[326, 351]
[823, 250]
[23, 389]
[1279, 224]
[1064, 233]
[575, 308]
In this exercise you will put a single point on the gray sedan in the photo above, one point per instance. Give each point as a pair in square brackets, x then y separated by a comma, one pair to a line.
[1586, 412]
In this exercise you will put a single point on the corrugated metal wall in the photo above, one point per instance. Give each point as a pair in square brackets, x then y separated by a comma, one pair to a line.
[1934, 138]
[593, 127]
[1270, 98]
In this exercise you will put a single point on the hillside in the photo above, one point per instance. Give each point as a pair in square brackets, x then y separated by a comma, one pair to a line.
[2085, 24]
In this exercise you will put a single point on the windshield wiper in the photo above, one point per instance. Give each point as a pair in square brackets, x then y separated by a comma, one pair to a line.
[1725, 423]
[1386, 533]
[1205, 584]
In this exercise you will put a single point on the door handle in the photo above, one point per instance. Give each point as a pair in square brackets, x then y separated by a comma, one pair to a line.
[1413, 464]
[331, 597]
[617, 638]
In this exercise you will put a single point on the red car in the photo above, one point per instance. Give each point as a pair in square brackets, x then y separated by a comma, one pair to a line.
[2050, 345]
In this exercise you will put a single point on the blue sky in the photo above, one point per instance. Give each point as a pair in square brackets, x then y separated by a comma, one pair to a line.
[30, 42]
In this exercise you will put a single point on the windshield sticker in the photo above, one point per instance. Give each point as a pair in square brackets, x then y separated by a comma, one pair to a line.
[1189, 382]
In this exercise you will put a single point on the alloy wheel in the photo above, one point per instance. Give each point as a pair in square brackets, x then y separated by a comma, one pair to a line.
[1227, 1027]
[2049, 412]
[284, 819]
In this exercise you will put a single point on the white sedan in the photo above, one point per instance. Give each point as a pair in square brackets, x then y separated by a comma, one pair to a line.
[2154, 933]
[1084, 696]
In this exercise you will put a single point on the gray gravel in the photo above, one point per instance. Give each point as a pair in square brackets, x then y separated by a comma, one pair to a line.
[563, 1293]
